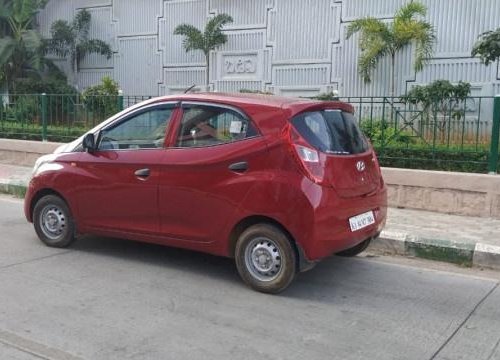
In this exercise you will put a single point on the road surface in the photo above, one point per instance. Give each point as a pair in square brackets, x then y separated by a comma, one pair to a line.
[115, 299]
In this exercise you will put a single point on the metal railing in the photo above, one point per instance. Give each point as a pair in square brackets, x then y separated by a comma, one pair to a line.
[460, 136]
[60, 118]
[452, 135]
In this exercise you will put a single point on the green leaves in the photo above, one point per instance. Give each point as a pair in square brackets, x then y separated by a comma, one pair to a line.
[7, 46]
[207, 41]
[487, 47]
[378, 39]
[437, 92]
[193, 38]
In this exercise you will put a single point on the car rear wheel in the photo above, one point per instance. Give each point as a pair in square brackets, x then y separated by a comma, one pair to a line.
[53, 222]
[265, 258]
[358, 249]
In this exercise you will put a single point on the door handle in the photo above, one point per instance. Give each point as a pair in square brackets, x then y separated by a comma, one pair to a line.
[239, 167]
[142, 173]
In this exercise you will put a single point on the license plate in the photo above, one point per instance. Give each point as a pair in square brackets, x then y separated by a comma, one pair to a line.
[361, 221]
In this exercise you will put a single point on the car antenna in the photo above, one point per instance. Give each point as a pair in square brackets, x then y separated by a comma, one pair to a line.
[189, 89]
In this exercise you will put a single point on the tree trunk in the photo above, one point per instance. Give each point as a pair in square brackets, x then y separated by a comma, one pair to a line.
[393, 74]
[207, 72]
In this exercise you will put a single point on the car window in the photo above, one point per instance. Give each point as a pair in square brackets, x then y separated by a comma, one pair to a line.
[331, 131]
[203, 125]
[143, 131]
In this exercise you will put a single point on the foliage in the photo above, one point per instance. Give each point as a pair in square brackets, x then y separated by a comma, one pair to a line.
[25, 109]
[440, 100]
[49, 86]
[248, 91]
[379, 39]
[328, 96]
[424, 157]
[488, 46]
[56, 133]
[71, 39]
[103, 98]
[20, 43]
[381, 132]
[206, 41]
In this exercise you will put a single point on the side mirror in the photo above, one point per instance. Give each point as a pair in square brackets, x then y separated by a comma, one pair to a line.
[88, 143]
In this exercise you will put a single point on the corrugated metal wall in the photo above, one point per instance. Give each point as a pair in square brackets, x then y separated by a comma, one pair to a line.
[294, 47]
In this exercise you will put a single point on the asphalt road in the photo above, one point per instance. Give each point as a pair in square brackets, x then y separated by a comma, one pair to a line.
[115, 299]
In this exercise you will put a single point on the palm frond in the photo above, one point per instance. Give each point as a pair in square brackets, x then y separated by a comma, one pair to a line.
[213, 31]
[409, 11]
[81, 24]
[31, 40]
[370, 57]
[193, 38]
[368, 27]
[425, 38]
[95, 46]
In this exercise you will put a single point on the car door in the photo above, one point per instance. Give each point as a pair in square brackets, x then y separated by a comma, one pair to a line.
[208, 171]
[120, 191]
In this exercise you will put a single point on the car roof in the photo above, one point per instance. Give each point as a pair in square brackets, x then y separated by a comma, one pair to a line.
[245, 100]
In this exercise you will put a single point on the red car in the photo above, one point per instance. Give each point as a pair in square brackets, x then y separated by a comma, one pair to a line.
[276, 183]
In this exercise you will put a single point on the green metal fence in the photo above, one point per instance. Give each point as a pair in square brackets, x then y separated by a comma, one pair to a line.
[59, 118]
[452, 135]
[459, 136]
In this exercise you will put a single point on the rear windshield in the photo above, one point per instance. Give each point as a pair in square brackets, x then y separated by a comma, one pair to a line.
[331, 131]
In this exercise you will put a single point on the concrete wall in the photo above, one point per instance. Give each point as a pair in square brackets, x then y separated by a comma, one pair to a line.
[290, 47]
[22, 152]
[446, 192]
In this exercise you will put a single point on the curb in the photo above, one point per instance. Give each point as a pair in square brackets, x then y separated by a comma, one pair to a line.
[463, 254]
[15, 188]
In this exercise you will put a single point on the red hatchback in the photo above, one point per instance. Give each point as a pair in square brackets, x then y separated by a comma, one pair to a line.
[276, 183]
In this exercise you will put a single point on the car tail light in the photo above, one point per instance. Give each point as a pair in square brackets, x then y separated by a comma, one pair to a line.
[308, 159]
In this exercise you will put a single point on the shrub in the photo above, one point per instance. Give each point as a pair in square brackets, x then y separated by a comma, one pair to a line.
[329, 96]
[380, 132]
[102, 99]
[51, 86]
[248, 91]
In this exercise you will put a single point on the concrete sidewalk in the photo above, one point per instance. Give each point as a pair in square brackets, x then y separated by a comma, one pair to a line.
[467, 241]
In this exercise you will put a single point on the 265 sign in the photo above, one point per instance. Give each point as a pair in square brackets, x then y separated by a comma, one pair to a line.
[240, 66]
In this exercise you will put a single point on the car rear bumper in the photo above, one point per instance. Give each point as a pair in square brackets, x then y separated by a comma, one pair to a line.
[330, 231]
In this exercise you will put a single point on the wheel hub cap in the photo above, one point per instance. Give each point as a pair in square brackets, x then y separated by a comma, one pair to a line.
[52, 222]
[263, 259]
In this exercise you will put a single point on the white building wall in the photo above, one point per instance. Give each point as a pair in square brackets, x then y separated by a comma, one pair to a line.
[293, 47]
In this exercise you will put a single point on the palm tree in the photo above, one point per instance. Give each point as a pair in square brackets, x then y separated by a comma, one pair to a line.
[205, 41]
[72, 39]
[379, 39]
[20, 43]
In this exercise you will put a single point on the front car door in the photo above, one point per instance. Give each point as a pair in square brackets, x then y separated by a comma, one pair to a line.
[120, 191]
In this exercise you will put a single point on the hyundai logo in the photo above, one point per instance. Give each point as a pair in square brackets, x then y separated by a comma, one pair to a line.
[360, 165]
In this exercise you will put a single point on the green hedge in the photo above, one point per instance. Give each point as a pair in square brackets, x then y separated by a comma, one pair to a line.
[429, 159]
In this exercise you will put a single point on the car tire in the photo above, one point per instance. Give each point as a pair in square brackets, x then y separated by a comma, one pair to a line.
[265, 258]
[356, 250]
[53, 222]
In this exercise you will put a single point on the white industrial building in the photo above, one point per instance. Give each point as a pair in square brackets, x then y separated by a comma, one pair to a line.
[290, 47]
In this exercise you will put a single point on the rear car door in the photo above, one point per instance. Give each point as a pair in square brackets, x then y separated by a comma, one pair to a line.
[119, 191]
[208, 171]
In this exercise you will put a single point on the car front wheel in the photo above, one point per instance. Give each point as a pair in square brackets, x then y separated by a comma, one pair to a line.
[265, 258]
[53, 222]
